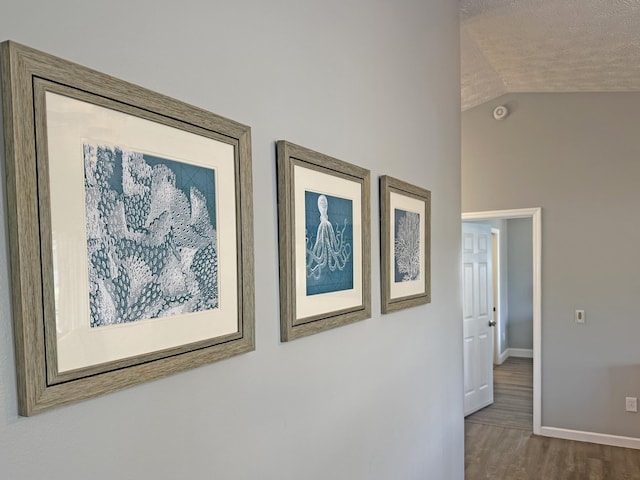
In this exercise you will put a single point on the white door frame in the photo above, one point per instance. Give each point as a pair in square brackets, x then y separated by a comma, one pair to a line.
[497, 311]
[536, 233]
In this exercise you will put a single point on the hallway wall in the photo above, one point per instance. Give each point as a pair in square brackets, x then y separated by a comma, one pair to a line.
[520, 278]
[372, 82]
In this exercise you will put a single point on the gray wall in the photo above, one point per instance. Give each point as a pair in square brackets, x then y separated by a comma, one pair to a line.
[375, 83]
[576, 156]
[520, 294]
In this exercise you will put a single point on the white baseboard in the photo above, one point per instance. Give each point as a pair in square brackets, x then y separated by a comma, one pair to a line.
[503, 356]
[600, 438]
[515, 352]
[520, 352]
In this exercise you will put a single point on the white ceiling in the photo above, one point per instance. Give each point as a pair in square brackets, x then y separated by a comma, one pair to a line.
[548, 46]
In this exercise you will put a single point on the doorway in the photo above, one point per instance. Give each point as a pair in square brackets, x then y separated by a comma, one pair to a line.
[536, 223]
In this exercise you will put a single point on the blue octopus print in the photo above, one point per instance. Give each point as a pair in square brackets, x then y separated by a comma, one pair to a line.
[407, 246]
[329, 260]
[151, 236]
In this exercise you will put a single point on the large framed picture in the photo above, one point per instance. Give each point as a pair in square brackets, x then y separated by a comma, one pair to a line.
[405, 239]
[324, 240]
[130, 228]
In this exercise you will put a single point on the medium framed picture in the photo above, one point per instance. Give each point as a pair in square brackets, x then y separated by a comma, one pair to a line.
[324, 240]
[130, 220]
[405, 239]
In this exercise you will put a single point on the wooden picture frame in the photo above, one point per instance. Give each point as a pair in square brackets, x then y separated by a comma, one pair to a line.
[405, 240]
[324, 241]
[130, 229]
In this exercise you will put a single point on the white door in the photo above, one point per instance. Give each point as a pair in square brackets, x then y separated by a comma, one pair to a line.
[477, 313]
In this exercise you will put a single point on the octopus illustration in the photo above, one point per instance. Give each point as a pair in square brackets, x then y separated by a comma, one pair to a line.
[330, 248]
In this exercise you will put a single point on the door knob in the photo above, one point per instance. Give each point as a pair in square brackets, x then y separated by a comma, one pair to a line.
[492, 324]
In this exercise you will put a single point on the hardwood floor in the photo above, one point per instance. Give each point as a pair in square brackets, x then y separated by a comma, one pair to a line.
[512, 396]
[500, 445]
[512, 454]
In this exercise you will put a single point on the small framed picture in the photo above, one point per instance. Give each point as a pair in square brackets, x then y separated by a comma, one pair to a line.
[405, 239]
[131, 238]
[324, 241]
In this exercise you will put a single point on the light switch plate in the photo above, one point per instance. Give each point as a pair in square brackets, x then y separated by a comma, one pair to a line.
[632, 404]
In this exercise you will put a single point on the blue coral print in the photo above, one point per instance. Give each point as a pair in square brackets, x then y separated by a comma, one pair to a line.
[329, 240]
[407, 246]
[151, 236]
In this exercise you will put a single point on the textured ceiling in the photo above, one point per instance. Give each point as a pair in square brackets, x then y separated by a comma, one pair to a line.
[548, 46]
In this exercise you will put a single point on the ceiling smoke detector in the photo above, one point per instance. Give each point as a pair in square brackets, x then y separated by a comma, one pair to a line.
[500, 112]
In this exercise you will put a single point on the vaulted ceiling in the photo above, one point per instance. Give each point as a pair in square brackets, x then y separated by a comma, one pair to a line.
[548, 46]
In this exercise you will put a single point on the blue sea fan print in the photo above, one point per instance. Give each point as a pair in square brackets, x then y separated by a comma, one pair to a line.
[151, 241]
[407, 246]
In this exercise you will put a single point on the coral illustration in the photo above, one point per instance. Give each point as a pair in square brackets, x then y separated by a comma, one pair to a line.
[407, 246]
[152, 248]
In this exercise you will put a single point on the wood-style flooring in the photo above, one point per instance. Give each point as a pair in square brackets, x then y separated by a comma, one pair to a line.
[500, 445]
[512, 396]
